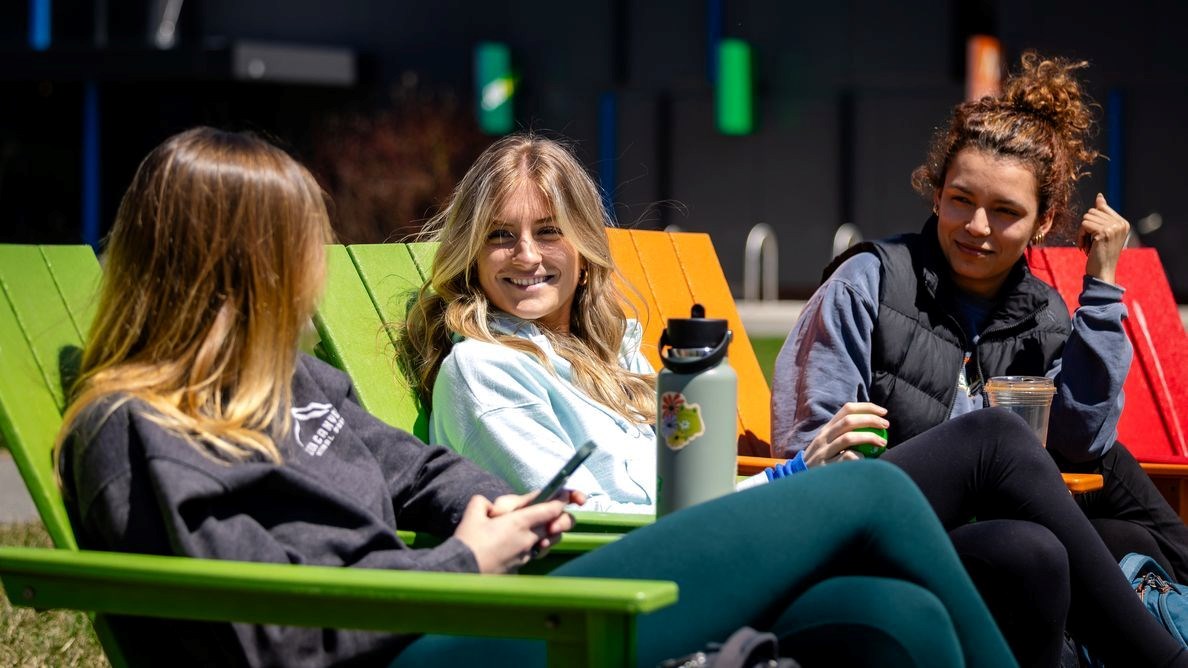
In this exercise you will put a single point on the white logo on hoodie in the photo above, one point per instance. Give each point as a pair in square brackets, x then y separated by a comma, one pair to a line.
[315, 440]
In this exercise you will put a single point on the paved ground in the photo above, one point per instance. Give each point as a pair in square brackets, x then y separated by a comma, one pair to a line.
[15, 504]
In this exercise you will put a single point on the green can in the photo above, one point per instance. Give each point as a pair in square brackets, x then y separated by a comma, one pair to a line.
[870, 450]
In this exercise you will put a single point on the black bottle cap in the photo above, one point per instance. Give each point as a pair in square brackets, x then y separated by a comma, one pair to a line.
[696, 331]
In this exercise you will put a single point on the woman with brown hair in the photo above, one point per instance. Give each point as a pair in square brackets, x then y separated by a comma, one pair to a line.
[904, 333]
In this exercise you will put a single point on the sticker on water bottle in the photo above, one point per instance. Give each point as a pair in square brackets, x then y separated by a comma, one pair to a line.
[680, 421]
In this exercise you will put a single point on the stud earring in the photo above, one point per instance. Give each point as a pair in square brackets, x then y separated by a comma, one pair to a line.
[1038, 238]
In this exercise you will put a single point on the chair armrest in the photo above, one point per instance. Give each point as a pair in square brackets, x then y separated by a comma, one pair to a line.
[752, 465]
[605, 529]
[1165, 470]
[590, 523]
[526, 606]
[1075, 482]
[602, 529]
[1078, 483]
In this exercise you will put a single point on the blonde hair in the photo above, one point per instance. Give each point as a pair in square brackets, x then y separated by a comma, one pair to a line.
[1043, 118]
[452, 301]
[212, 269]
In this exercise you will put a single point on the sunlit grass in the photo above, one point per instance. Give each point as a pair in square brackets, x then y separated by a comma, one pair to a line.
[53, 638]
[766, 350]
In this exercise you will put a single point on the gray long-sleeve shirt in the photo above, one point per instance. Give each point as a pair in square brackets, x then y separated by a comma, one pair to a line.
[348, 481]
[825, 363]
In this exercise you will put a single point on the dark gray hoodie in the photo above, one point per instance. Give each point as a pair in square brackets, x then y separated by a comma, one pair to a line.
[348, 481]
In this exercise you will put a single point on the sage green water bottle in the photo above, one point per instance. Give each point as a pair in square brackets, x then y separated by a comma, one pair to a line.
[696, 413]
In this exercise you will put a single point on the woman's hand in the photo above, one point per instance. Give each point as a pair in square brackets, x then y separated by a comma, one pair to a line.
[1102, 236]
[833, 442]
[507, 533]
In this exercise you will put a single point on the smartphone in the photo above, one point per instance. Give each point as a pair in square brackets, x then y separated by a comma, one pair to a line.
[549, 490]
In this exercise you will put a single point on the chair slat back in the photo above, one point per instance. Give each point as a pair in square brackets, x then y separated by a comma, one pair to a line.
[700, 266]
[76, 273]
[1154, 423]
[354, 341]
[672, 271]
[46, 306]
[393, 274]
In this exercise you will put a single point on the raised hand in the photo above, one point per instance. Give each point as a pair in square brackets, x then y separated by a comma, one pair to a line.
[1102, 237]
[833, 442]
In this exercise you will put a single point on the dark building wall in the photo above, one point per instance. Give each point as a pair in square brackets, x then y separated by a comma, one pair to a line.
[848, 95]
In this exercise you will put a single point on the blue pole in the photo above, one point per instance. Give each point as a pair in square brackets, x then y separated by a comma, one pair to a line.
[39, 24]
[1114, 167]
[608, 139]
[713, 36]
[90, 164]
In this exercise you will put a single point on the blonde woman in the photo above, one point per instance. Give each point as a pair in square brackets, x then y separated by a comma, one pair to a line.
[198, 429]
[518, 343]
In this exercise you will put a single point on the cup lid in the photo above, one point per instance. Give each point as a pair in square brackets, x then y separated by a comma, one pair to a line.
[1031, 384]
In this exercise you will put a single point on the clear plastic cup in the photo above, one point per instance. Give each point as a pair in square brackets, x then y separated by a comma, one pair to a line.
[1029, 397]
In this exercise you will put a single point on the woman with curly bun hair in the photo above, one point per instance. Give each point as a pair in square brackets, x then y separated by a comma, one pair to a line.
[903, 334]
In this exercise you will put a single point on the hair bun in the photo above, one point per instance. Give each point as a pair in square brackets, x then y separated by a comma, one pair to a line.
[1048, 87]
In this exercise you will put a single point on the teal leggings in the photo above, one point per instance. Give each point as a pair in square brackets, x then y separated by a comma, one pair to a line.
[840, 580]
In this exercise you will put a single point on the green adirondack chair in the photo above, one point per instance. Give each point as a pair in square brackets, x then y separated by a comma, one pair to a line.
[46, 302]
[357, 326]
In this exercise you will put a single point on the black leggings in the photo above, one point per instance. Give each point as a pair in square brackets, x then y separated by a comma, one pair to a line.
[988, 465]
[1129, 512]
[1021, 570]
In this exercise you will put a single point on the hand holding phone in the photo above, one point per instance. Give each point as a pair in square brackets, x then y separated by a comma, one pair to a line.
[558, 481]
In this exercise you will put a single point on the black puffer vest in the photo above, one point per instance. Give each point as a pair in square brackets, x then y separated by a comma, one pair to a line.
[918, 345]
